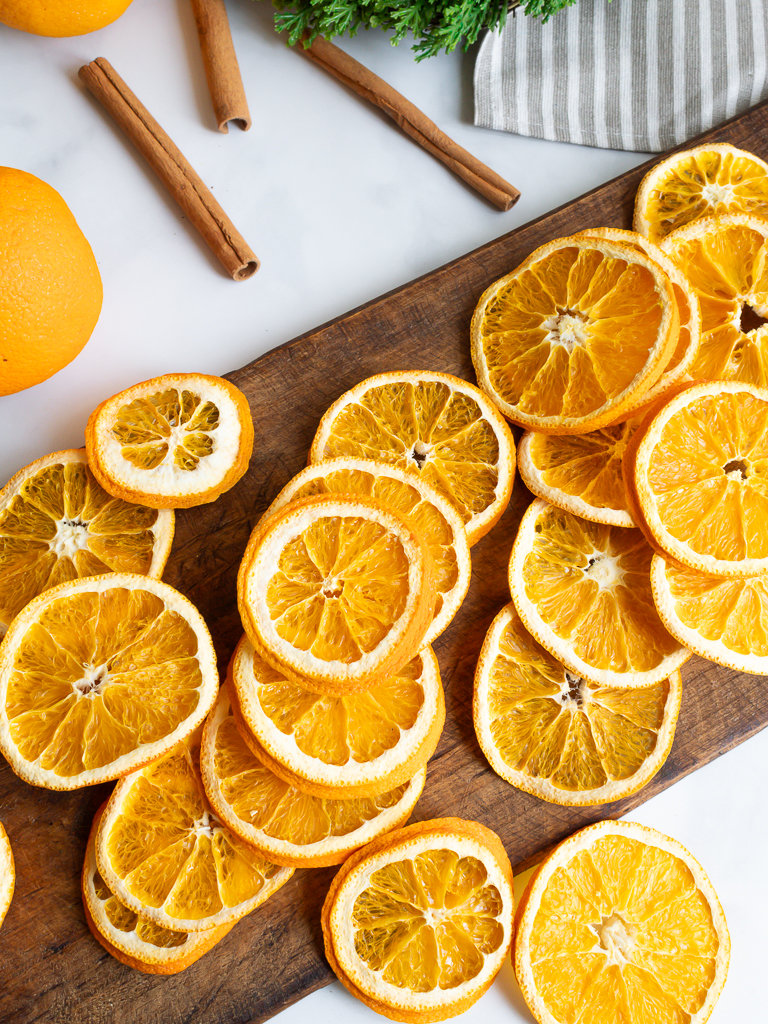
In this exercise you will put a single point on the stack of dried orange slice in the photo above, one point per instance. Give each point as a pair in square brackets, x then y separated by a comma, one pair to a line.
[334, 703]
[707, 209]
[577, 687]
[695, 473]
[136, 941]
[418, 923]
[575, 345]
[164, 878]
[108, 673]
[592, 344]
[318, 743]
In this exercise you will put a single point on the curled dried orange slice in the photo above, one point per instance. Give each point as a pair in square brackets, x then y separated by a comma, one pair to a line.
[584, 591]
[551, 733]
[720, 619]
[133, 940]
[337, 590]
[569, 340]
[432, 513]
[57, 523]
[418, 923]
[353, 745]
[163, 852]
[99, 676]
[709, 180]
[431, 424]
[619, 923]
[287, 825]
[689, 336]
[726, 261]
[581, 473]
[171, 442]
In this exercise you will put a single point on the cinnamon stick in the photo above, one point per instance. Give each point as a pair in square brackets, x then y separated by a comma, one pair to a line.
[172, 167]
[415, 123]
[221, 68]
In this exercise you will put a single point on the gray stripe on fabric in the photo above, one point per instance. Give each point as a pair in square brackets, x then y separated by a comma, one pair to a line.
[743, 43]
[639, 66]
[760, 43]
[652, 76]
[719, 42]
[665, 49]
[600, 78]
[692, 51]
[679, 75]
[535, 30]
[480, 82]
[562, 71]
[612, 134]
[499, 59]
[626, 74]
[521, 70]
[548, 60]
[574, 78]
[587, 71]
[732, 75]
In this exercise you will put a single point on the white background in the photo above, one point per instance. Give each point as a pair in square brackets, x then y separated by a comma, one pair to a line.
[340, 207]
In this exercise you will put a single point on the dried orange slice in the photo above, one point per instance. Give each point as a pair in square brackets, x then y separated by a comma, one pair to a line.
[171, 442]
[287, 825]
[432, 513]
[337, 590]
[418, 923]
[134, 941]
[431, 424]
[584, 591]
[701, 182]
[698, 468]
[720, 619]
[57, 523]
[339, 747]
[7, 873]
[163, 852]
[620, 923]
[551, 733]
[689, 314]
[724, 258]
[567, 341]
[581, 473]
[99, 676]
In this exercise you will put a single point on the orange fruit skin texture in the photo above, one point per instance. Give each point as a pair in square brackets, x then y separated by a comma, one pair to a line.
[61, 17]
[50, 287]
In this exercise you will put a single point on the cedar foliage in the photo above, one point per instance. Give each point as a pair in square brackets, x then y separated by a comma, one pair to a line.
[434, 25]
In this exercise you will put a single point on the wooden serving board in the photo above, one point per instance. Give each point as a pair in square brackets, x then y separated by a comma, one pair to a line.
[51, 969]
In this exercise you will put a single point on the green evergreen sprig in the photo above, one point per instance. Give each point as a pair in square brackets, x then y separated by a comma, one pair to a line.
[435, 26]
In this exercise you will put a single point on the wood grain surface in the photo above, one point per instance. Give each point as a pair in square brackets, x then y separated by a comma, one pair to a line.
[51, 969]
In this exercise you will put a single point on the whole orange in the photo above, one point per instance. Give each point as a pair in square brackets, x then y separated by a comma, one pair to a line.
[50, 287]
[60, 17]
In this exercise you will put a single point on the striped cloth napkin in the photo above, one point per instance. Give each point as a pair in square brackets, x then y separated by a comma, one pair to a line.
[641, 75]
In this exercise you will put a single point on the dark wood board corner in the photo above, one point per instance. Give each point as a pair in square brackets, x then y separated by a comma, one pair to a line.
[51, 970]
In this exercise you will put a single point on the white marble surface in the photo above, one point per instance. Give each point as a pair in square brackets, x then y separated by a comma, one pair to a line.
[340, 207]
